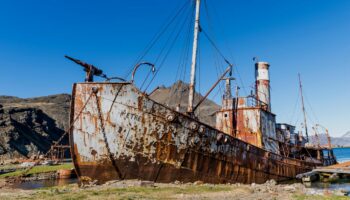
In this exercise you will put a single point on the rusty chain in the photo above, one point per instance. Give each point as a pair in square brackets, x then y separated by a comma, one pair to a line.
[103, 130]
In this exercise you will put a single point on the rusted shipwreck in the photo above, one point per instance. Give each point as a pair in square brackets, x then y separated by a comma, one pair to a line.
[119, 132]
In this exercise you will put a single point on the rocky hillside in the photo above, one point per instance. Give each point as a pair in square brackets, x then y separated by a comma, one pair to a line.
[177, 94]
[343, 141]
[30, 126]
[346, 135]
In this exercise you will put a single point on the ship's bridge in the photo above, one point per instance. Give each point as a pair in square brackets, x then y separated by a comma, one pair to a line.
[247, 118]
[250, 118]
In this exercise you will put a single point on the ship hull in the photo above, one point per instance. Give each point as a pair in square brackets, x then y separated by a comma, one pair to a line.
[119, 133]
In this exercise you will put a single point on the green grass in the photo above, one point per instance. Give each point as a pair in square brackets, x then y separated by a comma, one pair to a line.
[70, 192]
[124, 193]
[37, 170]
[9, 166]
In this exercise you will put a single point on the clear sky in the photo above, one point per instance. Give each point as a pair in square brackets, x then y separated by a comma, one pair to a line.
[307, 36]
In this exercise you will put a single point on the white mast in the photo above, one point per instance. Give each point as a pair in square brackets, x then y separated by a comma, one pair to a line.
[194, 60]
[303, 105]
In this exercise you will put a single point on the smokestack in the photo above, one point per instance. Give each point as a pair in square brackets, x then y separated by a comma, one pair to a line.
[262, 87]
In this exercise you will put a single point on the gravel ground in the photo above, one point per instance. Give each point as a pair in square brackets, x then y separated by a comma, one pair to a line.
[134, 189]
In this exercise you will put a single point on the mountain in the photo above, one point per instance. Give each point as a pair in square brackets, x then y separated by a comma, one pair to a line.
[346, 135]
[55, 106]
[177, 94]
[30, 126]
[343, 141]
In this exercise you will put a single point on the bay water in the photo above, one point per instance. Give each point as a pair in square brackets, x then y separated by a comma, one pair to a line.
[342, 155]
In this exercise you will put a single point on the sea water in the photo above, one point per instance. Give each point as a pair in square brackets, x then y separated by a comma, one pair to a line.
[342, 155]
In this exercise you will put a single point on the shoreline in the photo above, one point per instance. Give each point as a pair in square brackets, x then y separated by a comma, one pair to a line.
[12, 187]
[135, 189]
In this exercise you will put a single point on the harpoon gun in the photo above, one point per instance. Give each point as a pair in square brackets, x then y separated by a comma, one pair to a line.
[90, 70]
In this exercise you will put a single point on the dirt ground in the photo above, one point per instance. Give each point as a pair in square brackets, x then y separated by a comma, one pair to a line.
[135, 189]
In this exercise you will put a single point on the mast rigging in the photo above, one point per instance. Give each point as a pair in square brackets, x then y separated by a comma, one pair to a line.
[194, 59]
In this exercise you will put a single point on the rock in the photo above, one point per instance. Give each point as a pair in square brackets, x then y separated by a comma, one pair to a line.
[339, 192]
[147, 184]
[28, 164]
[289, 188]
[87, 183]
[47, 162]
[333, 178]
[271, 182]
[28, 127]
[111, 182]
[198, 183]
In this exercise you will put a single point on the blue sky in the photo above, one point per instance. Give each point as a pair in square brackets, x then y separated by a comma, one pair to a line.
[307, 36]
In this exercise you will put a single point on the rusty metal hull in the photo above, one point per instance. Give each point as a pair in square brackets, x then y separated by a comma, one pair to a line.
[119, 133]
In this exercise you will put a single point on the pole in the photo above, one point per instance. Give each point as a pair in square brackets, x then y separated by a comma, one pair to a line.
[194, 60]
[303, 105]
[329, 139]
[317, 138]
[236, 109]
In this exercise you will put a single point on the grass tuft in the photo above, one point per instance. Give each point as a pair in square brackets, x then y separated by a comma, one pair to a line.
[37, 170]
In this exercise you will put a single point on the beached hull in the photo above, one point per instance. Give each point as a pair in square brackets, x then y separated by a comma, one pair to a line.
[119, 133]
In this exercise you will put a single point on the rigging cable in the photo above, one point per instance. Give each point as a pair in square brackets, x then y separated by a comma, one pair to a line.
[295, 107]
[156, 37]
[312, 111]
[217, 62]
[182, 65]
[167, 43]
[166, 55]
[211, 29]
[190, 30]
[222, 30]
[215, 46]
